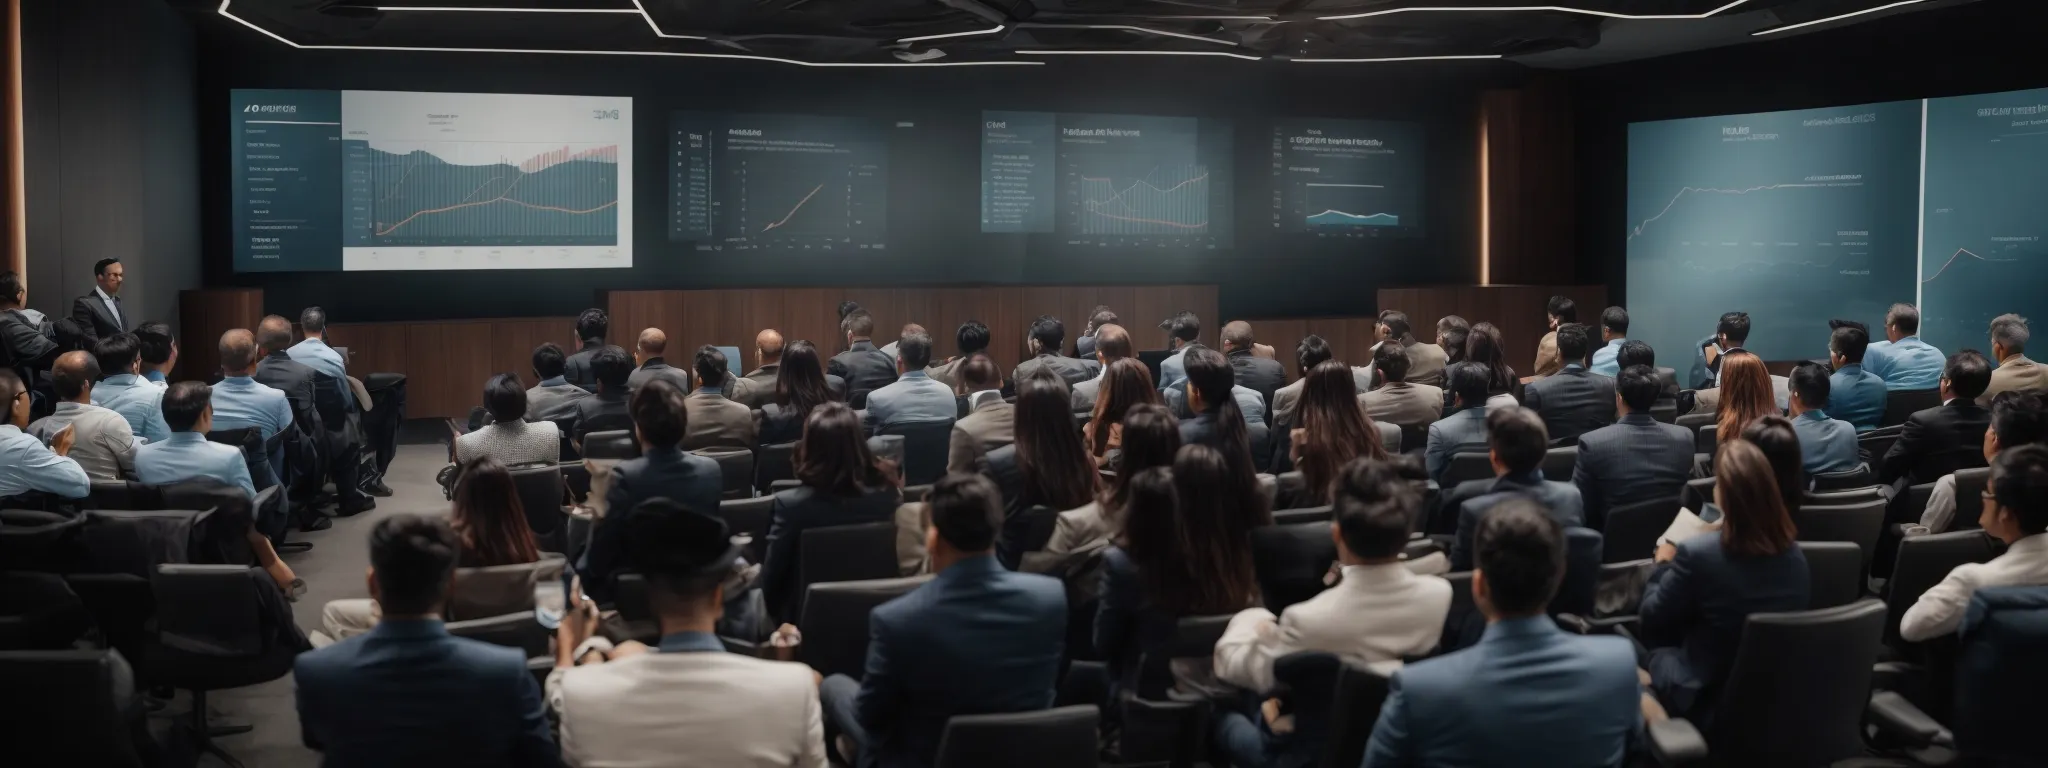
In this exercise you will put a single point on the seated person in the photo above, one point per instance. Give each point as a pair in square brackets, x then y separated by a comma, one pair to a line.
[1125, 385]
[800, 387]
[842, 484]
[2017, 418]
[1516, 442]
[1309, 353]
[1902, 359]
[1606, 359]
[100, 439]
[1112, 343]
[187, 455]
[592, 325]
[990, 422]
[509, 438]
[663, 470]
[1703, 589]
[1465, 430]
[717, 423]
[1855, 395]
[1575, 400]
[1218, 421]
[1149, 437]
[1498, 703]
[1940, 440]
[1334, 429]
[976, 639]
[1255, 370]
[2015, 512]
[864, 367]
[1396, 401]
[913, 397]
[554, 398]
[1636, 459]
[25, 463]
[238, 401]
[971, 339]
[407, 692]
[25, 339]
[1828, 444]
[1048, 466]
[647, 355]
[124, 391]
[606, 409]
[1043, 342]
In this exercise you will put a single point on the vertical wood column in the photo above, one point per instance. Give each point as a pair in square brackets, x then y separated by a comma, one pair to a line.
[1526, 185]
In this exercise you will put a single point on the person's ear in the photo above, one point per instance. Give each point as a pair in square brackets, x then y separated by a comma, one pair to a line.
[370, 576]
[1482, 592]
[1337, 537]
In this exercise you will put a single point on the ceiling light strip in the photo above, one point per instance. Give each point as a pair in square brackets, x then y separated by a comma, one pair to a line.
[922, 38]
[1467, 57]
[643, 15]
[1534, 8]
[474, 9]
[1142, 53]
[1790, 27]
[1130, 28]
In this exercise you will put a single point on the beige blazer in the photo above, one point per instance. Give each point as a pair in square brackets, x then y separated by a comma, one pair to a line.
[989, 427]
[1548, 361]
[1404, 404]
[2017, 372]
[1377, 613]
[689, 710]
[1425, 363]
[716, 423]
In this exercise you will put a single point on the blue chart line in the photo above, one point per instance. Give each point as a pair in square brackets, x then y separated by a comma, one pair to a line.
[1336, 218]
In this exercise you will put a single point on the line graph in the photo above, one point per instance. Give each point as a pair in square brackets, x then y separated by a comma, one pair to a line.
[1637, 230]
[1151, 204]
[792, 211]
[1961, 252]
[1331, 217]
[453, 193]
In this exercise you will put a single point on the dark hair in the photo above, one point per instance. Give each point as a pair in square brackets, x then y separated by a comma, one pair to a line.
[593, 324]
[1571, 343]
[1517, 436]
[184, 402]
[99, 268]
[711, 366]
[858, 323]
[1636, 352]
[1126, 384]
[1746, 392]
[800, 381]
[489, 517]
[1055, 466]
[2019, 418]
[1850, 343]
[978, 373]
[1182, 325]
[1810, 382]
[1049, 333]
[1904, 317]
[69, 382]
[1615, 319]
[313, 320]
[1396, 322]
[1311, 352]
[1336, 430]
[1779, 442]
[915, 350]
[1485, 347]
[156, 341]
[1755, 520]
[505, 398]
[1838, 323]
[1392, 362]
[2019, 482]
[1102, 316]
[10, 287]
[1374, 508]
[1639, 386]
[658, 413]
[1151, 439]
[117, 353]
[1467, 382]
[548, 360]
[1455, 340]
[847, 308]
[1562, 308]
[1968, 373]
[972, 337]
[1735, 326]
[833, 458]
[1210, 374]
[611, 366]
[1520, 550]
[1193, 555]
[413, 558]
[666, 543]
[1449, 323]
[967, 510]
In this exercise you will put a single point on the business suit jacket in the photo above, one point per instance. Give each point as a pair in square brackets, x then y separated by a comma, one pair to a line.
[690, 709]
[976, 639]
[1572, 402]
[24, 347]
[577, 367]
[553, 402]
[864, 368]
[946, 372]
[915, 398]
[1258, 374]
[1694, 607]
[656, 368]
[279, 371]
[1285, 400]
[1404, 404]
[1461, 432]
[1938, 441]
[1634, 460]
[1561, 500]
[407, 693]
[716, 423]
[89, 311]
[1908, 363]
[1856, 396]
[2016, 372]
[1497, 703]
[757, 388]
[1548, 360]
[1425, 362]
[1377, 613]
[800, 509]
[1826, 444]
[1085, 394]
[1072, 370]
[601, 412]
[1202, 429]
[685, 478]
[990, 426]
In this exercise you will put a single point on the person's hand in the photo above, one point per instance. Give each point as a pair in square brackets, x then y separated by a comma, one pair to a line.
[1666, 551]
[60, 443]
[1116, 435]
[627, 650]
[1295, 438]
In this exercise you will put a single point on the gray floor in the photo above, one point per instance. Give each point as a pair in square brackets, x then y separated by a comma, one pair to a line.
[333, 569]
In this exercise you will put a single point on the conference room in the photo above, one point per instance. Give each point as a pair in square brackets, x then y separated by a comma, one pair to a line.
[993, 383]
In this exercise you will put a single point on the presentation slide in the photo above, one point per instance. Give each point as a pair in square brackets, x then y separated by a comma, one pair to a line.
[1347, 178]
[1982, 253]
[386, 180]
[785, 182]
[1794, 217]
[1107, 180]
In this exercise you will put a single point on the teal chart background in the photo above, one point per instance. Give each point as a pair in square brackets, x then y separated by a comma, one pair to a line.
[1987, 184]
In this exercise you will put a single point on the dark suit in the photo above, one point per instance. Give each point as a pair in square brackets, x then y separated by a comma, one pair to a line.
[1572, 402]
[1001, 466]
[1694, 607]
[976, 639]
[408, 693]
[1202, 429]
[1257, 374]
[1938, 441]
[23, 346]
[657, 368]
[803, 508]
[685, 478]
[1561, 500]
[864, 368]
[1128, 626]
[601, 412]
[90, 312]
[1073, 370]
[577, 367]
[1635, 460]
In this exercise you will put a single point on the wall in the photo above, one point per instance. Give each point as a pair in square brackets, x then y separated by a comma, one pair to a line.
[111, 134]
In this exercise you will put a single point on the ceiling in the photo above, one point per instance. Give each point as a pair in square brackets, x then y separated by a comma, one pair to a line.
[902, 33]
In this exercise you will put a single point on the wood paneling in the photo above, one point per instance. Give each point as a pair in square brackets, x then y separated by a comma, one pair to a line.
[447, 362]
[1518, 310]
[1350, 338]
[1529, 187]
[203, 315]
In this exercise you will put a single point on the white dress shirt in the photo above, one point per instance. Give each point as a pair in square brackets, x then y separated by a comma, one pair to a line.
[1941, 505]
[1377, 613]
[1940, 610]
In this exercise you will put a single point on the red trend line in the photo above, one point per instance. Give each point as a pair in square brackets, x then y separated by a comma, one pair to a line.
[792, 211]
[1638, 229]
[1959, 254]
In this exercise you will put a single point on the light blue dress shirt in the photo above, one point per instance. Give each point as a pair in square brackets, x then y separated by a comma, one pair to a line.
[238, 402]
[915, 397]
[1908, 363]
[1826, 444]
[315, 354]
[27, 465]
[1605, 359]
[190, 456]
[155, 376]
[1857, 396]
[138, 401]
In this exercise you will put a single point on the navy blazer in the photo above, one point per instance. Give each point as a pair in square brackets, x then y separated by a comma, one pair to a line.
[1528, 695]
[688, 479]
[1572, 402]
[799, 509]
[1938, 441]
[976, 639]
[407, 693]
[576, 367]
[1258, 374]
[864, 368]
[1636, 459]
[1694, 607]
[1561, 500]
[602, 411]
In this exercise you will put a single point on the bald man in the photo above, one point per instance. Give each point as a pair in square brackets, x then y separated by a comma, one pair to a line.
[1261, 374]
[238, 401]
[647, 352]
[1111, 343]
[25, 463]
[103, 443]
[757, 388]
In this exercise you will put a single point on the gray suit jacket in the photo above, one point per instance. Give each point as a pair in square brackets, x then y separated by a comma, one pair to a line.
[717, 423]
[757, 388]
[657, 368]
[1425, 362]
[545, 403]
[1634, 460]
[1258, 374]
[1572, 401]
[1561, 500]
[1085, 394]
[1285, 399]
[1073, 370]
[1405, 404]
[989, 427]
[1461, 432]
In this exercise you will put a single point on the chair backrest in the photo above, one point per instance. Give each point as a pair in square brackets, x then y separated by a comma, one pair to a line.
[1467, 466]
[1694, 421]
[835, 621]
[1560, 462]
[255, 452]
[1288, 488]
[1390, 437]
[328, 401]
[848, 553]
[611, 444]
[1463, 624]
[1970, 484]
[1835, 571]
[1414, 437]
[772, 463]
[1698, 493]
[1798, 688]
[1999, 674]
[1064, 737]
[924, 449]
[1581, 582]
[1707, 439]
[482, 593]
[512, 630]
[1875, 443]
[1631, 530]
[1860, 523]
[1353, 710]
[124, 494]
[917, 493]
[1860, 477]
[209, 610]
[1901, 404]
[1308, 681]
[76, 701]
[1302, 515]
[1844, 496]
[737, 468]
[751, 517]
[541, 496]
[1290, 561]
[1923, 561]
[1040, 522]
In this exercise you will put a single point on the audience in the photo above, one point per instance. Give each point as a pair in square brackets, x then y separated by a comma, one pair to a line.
[976, 639]
[1112, 343]
[1902, 359]
[1637, 459]
[238, 401]
[1558, 311]
[1046, 467]
[717, 423]
[1465, 430]
[1744, 394]
[757, 388]
[990, 422]
[159, 351]
[1043, 343]
[915, 398]
[1704, 588]
[684, 702]
[971, 339]
[842, 483]
[554, 398]
[1425, 361]
[1606, 360]
[591, 328]
[28, 464]
[663, 470]
[1729, 336]
[1575, 400]
[606, 409]
[1947, 437]
[125, 392]
[1219, 420]
[1484, 347]
[2016, 513]
[1258, 374]
[1636, 352]
[100, 439]
[1398, 401]
[1855, 395]
[1183, 332]
[2014, 371]
[1150, 438]
[188, 456]
[316, 354]
[1452, 332]
[1084, 345]
[800, 386]
[409, 693]
[647, 355]
[1334, 430]
[1528, 694]
[1516, 443]
[1779, 441]
[1827, 444]
[2017, 419]
[279, 371]
[1308, 354]
[509, 438]
[864, 368]
[1126, 384]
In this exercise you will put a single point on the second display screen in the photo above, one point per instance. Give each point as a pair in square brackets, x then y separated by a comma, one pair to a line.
[1113, 180]
[748, 182]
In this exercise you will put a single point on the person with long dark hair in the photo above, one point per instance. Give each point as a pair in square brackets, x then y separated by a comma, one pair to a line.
[843, 483]
[1220, 424]
[1484, 345]
[1046, 467]
[1334, 430]
[1776, 437]
[800, 387]
[1703, 589]
[1126, 384]
[1151, 437]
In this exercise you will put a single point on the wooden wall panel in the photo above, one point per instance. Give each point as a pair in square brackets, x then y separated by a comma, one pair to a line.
[1518, 310]
[1350, 338]
[1530, 189]
[203, 315]
[446, 362]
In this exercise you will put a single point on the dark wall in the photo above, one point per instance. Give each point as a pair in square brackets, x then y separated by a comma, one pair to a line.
[1983, 47]
[934, 235]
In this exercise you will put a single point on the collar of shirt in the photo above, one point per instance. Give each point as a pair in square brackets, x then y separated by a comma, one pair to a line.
[185, 437]
[1812, 415]
[1638, 418]
[66, 406]
[1528, 626]
[9, 429]
[1383, 573]
[654, 362]
[1615, 344]
[554, 381]
[916, 374]
[1531, 477]
[1574, 366]
[2032, 545]
[978, 399]
[154, 375]
[411, 628]
[1853, 369]
[238, 381]
[688, 642]
[102, 294]
[711, 390]
[121, 380]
